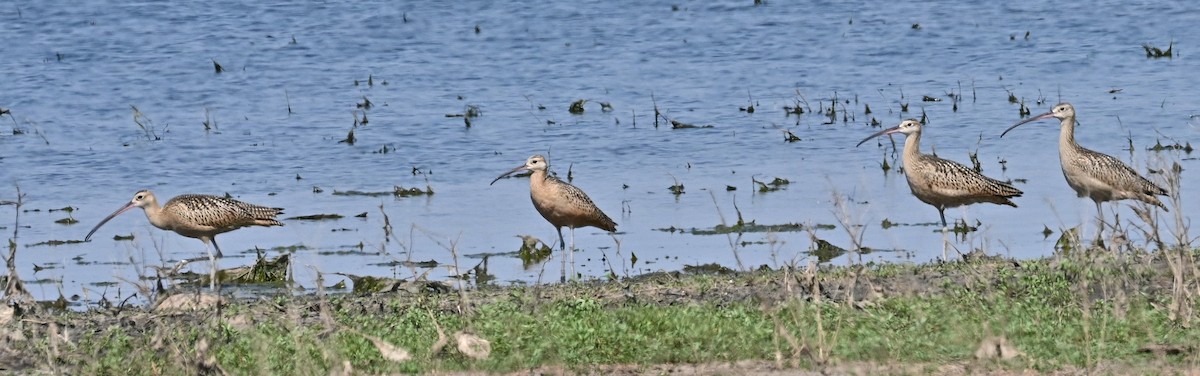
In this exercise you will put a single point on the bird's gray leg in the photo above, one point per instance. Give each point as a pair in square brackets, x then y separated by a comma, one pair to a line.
[1099, 223]
[572, 250]
[563, 247]
[212, 262]
[218, 248]
[945, 240]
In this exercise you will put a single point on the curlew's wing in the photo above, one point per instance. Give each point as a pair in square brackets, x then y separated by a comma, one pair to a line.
[1116, 174]
[580, 202]
[951, 176]
[220, 212]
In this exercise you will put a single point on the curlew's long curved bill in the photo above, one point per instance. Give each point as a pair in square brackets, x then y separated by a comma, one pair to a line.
[123, 209]
[1029, 120]
[510, 172]
[895, 129]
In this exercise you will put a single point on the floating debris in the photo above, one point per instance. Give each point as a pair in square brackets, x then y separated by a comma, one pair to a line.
[349, 140]
[747, 227]
[826, 251]
[365, 105]
[54, 243]
[316, 217]
[414, 191]
[676, 124]
[887, 224]
[676, 189]
[788, 136]
[470, 111]
[772, 186]
[1158, 146]
[577, 106]
[473, 111]
[397, 191]
[533, 251]
[1155, 52]
[264, 271]
[962, 228]
[289, 248]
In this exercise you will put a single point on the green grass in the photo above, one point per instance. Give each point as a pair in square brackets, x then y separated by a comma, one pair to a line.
[1038, 307]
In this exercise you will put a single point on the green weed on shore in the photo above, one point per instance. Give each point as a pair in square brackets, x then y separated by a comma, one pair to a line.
[1051, 314]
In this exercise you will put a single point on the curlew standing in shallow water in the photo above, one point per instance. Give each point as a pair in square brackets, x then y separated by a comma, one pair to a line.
[198, 216]
[561, 203]
[1091, 174]
[944, 183]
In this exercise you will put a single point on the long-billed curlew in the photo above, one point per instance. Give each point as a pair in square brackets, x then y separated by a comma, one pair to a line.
[198, 216]
[944, 183]
[561, 203]
[1091, 174]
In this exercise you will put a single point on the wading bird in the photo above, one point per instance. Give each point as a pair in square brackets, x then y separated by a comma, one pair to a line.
[944, 183]
[561, 203]
[1091, 174]
[198, 216]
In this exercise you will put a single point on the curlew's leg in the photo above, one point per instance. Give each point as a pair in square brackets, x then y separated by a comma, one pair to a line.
[218, 248]
[562, 246]
[212, 262]
[572, 250]
[945, 240]
[1099, 222]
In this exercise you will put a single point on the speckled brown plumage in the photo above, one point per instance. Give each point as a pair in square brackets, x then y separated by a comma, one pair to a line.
[1108, 173]
[1092, 174]
[198, 216]
[217, 214]
[563, 204]
[945, 183]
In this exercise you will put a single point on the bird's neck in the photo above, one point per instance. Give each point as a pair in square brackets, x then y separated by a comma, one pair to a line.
[537, 178]
[154, 213]
[1066, 135]
[912, 147]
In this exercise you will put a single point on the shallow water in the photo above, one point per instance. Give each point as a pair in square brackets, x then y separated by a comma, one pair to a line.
[295, 73]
